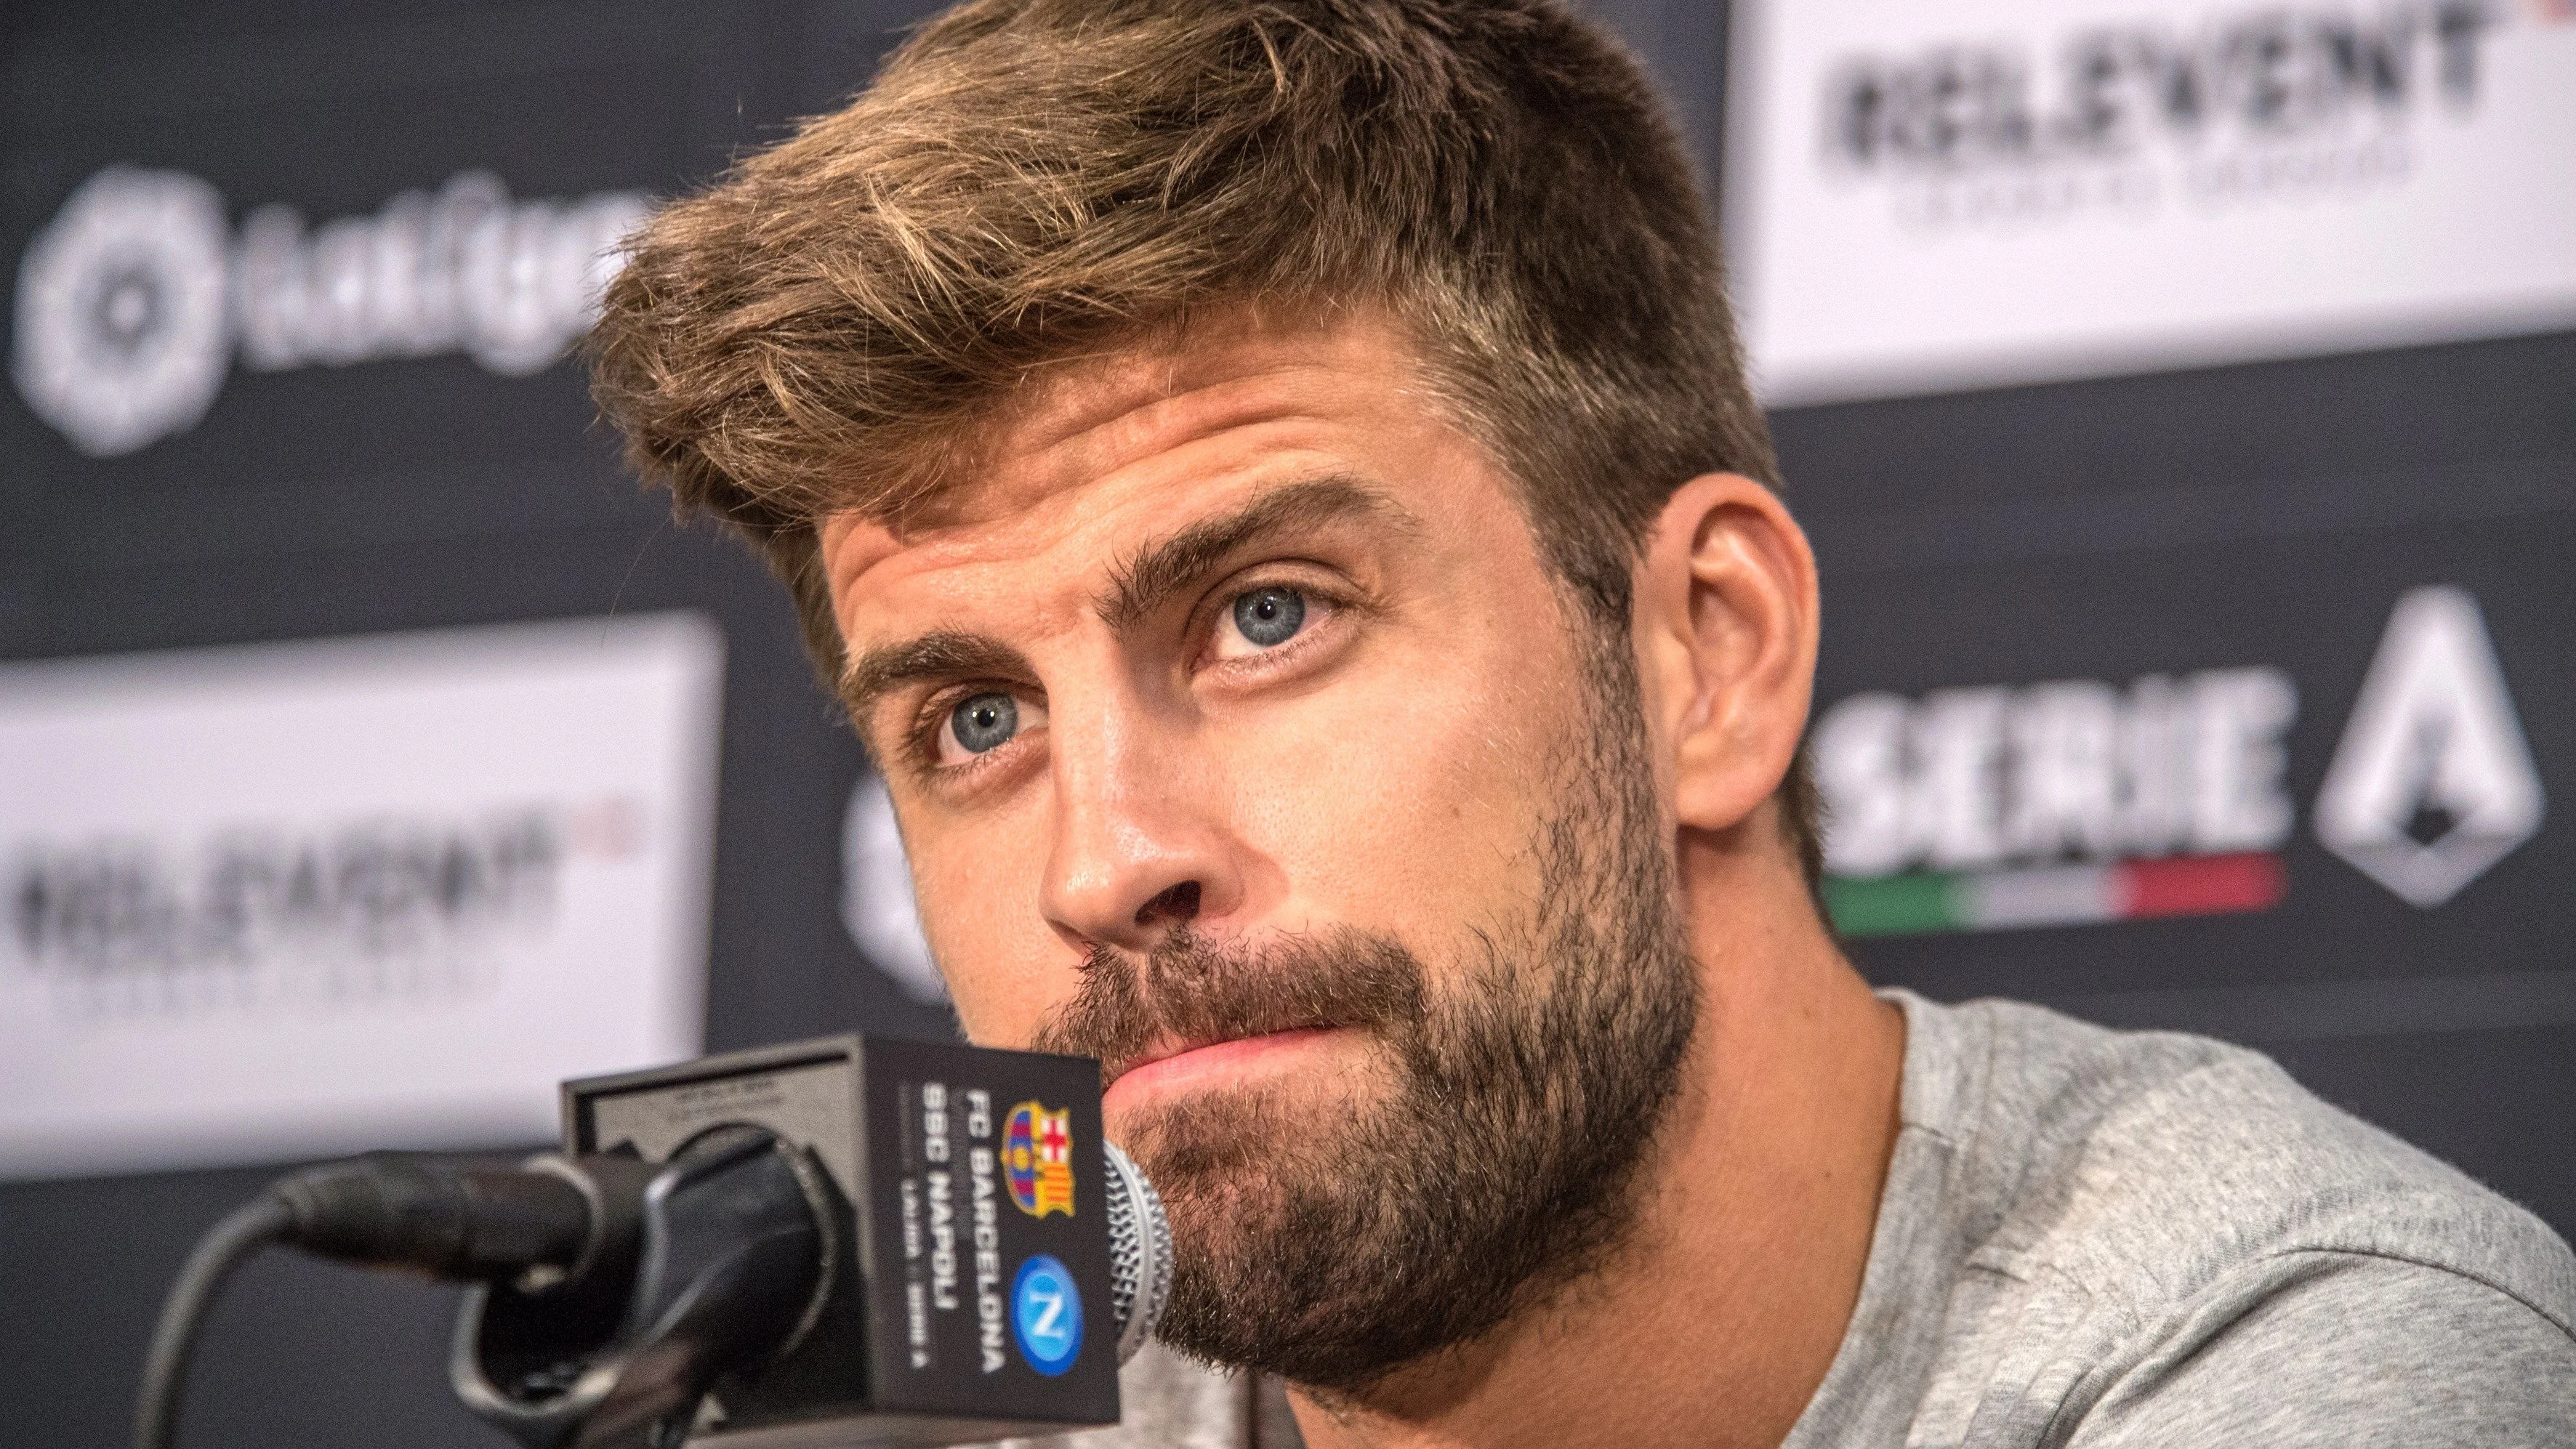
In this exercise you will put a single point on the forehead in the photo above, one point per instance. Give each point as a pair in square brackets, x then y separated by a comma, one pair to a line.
[1079, 462]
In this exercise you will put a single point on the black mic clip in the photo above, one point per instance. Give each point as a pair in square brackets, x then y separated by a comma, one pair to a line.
[730, 1252]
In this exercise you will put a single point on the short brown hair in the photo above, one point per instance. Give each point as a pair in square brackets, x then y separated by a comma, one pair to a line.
[1032, 180]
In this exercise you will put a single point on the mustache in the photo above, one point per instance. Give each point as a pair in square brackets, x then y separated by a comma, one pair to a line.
[1190, 991]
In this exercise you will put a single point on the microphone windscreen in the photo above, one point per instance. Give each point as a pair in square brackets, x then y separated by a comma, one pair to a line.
[1140, 1253]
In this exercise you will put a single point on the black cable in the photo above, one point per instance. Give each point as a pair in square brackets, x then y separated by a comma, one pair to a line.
[458, 1219]
[231, 1243]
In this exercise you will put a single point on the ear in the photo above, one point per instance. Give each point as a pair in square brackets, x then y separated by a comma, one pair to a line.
[1725, 626]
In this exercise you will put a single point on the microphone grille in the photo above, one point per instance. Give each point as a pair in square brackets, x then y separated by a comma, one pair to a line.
[1140, 1253]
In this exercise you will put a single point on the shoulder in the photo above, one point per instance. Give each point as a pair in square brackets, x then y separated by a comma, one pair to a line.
[2341, 1349]
[2146, 1165]
[2149, 1196]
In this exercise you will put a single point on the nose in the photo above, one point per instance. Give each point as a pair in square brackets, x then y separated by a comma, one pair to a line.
[1140, 845]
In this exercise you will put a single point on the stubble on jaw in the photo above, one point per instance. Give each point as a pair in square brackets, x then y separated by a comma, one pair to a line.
[1498, 1160]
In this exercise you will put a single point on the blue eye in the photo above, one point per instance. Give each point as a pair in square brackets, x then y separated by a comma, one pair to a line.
[984, 722]
[1269, 616]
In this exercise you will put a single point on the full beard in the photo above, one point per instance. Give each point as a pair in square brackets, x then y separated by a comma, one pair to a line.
[1498, 1161]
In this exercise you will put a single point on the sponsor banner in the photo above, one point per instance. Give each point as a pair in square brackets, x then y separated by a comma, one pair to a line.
[2075, 801]
[2141, 783]
[290, 900]
[134, 301]
[1962, 193]
[1962, 810]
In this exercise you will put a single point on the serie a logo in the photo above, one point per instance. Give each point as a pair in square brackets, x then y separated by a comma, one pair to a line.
[1037, 1159]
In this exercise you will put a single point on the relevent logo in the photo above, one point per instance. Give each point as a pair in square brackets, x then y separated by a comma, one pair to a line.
[2126, 116]
[260, 917]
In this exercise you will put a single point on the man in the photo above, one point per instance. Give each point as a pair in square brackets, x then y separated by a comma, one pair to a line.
[1275, 488]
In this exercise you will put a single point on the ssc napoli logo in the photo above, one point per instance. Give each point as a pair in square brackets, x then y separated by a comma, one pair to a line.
[1046, 1315]
[1037, 1158]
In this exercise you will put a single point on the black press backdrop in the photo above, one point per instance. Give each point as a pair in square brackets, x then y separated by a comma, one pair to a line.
[2263, 514]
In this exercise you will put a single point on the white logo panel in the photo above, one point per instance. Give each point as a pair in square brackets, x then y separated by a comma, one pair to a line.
[292, 900]
[877, 905]
[1926, 195]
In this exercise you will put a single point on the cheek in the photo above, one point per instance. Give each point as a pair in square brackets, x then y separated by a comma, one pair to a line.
[978, 895]
[1405, 801]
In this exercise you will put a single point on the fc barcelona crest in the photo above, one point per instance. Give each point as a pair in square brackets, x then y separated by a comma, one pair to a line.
[1037, 1158]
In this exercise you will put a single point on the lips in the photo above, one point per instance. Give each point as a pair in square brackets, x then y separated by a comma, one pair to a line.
[1206, 1011]
[1169, 1047]
[1163, 1050]
[1171, 1059]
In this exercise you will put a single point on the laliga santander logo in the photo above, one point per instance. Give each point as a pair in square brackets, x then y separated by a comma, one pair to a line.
[1037, 1159]
[132, 302]
[122, 329]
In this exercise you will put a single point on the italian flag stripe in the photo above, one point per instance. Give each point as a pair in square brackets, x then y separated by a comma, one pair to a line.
[2056, 895]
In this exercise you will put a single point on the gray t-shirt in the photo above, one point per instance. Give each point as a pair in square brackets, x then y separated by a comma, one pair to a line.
[2131, 1240]
[2094, 1239]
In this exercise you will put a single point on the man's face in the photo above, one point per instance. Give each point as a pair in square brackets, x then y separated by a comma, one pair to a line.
[1240, 738]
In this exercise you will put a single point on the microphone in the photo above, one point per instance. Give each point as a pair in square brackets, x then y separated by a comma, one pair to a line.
[853, 1240]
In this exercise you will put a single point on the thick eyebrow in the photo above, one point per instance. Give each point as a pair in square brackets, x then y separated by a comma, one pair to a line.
[1143, 584]
[948, 654]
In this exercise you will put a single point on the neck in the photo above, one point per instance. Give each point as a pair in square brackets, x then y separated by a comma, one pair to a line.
[1717, 1318]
